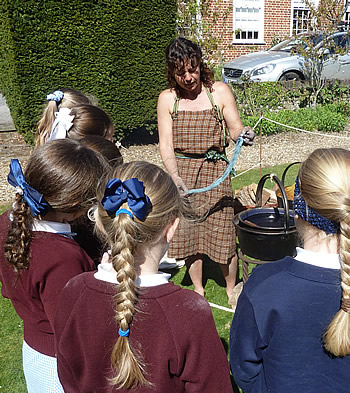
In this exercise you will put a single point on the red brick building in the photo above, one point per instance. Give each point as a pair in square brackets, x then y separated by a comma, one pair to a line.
[252, 25]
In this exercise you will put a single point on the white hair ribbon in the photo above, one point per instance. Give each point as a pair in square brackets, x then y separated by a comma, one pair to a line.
[62, 124]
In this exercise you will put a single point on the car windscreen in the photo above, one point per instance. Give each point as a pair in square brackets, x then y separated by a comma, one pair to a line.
[294, 43]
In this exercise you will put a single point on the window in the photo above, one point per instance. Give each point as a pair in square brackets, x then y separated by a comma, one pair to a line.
[248, 22]
[347, 13]
[301, 20]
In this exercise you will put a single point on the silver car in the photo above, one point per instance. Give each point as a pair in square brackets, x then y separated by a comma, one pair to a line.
[279, 63]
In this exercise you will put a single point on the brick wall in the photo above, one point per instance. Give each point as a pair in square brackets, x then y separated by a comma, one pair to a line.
[277, 21]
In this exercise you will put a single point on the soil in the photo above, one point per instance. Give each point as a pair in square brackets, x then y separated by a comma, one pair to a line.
[281, 148]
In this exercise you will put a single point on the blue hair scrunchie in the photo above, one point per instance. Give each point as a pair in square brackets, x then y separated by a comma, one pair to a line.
[124, 211]
[309, 215]
[130, 191]
[55, 96]
[124, 333]
[34, 199]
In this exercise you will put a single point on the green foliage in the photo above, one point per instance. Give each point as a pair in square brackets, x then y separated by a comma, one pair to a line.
[276, 39]
[196, 21]
[111, 49]
[334, 91]
[328, 118]
[253, 98]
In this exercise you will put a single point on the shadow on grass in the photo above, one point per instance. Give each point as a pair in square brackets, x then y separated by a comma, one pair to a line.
[140, 136]
[211, 270]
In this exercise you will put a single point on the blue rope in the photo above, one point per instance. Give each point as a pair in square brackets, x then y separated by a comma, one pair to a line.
[229, 168]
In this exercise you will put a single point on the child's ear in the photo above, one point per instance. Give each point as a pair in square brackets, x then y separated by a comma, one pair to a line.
[170, 230]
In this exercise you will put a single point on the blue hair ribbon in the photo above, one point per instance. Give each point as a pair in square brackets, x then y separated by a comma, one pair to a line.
[34, 199]
[130, 191]
[310, 215]
[123, 333]
[55, 96]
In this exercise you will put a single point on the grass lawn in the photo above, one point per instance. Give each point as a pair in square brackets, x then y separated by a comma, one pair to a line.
[11, 338]
[11, 327]
[254, 176]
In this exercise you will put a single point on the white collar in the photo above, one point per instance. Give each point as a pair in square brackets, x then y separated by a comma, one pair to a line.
[51, 226]
[106, 272]
[152, 280]
[321, 259]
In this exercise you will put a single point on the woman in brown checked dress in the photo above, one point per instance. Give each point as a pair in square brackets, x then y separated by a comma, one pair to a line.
[193, 116]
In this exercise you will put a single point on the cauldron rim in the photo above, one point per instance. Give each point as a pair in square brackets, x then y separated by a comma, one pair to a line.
[238, 219]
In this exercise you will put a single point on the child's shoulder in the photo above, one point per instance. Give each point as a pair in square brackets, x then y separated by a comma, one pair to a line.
[267, 274]
[54, 249]
[182, 301]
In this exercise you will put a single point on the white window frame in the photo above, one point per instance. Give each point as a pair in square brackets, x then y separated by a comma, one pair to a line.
[303, 23]
[299, 5]
[250, 26]
[347, 12]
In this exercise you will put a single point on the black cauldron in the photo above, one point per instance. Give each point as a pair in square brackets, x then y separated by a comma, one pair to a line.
[291, 188]
[267, 233]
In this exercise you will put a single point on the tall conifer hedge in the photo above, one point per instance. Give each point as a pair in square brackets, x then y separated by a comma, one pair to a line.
[112, 49]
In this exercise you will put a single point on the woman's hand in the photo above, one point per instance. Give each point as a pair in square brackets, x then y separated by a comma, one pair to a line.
[180, 185]
[248, 136]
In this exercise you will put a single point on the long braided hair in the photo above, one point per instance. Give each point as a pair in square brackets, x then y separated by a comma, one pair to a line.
[66, 173]
[127, 236]
[325, 186]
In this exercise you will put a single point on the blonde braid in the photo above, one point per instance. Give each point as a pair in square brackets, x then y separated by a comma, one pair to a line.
[127, 363]
[325, 187]
[125, 236]
[337, 337]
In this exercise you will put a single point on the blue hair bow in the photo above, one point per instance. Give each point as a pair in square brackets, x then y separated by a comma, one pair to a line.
[130, 191]
[310, 215]
[34, 199]
[55, 96]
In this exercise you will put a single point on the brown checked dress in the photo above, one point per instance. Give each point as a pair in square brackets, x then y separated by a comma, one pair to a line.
[196, 133]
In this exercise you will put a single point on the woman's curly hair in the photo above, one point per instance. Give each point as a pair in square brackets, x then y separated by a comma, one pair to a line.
[180, 51]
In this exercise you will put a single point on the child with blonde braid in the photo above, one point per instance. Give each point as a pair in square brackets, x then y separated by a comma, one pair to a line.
[70, 114]
[125, 327]
[39, 253]
[83, 226]
[291, 329]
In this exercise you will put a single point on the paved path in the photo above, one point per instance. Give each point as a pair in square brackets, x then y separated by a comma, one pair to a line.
[6, 123]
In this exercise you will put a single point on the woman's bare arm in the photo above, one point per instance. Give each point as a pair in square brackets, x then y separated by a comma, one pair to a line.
[223, 96]
[165, 131]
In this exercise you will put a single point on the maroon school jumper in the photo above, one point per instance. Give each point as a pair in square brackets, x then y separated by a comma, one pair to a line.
[174, 330]
[34, 291]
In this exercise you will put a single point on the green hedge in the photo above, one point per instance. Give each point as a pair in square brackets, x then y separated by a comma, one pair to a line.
[327, 118]
[112, 49]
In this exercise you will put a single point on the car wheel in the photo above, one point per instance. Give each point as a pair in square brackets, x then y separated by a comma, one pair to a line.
[290, 76]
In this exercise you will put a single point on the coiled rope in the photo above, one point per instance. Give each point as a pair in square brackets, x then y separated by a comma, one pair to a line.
[229, 168]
